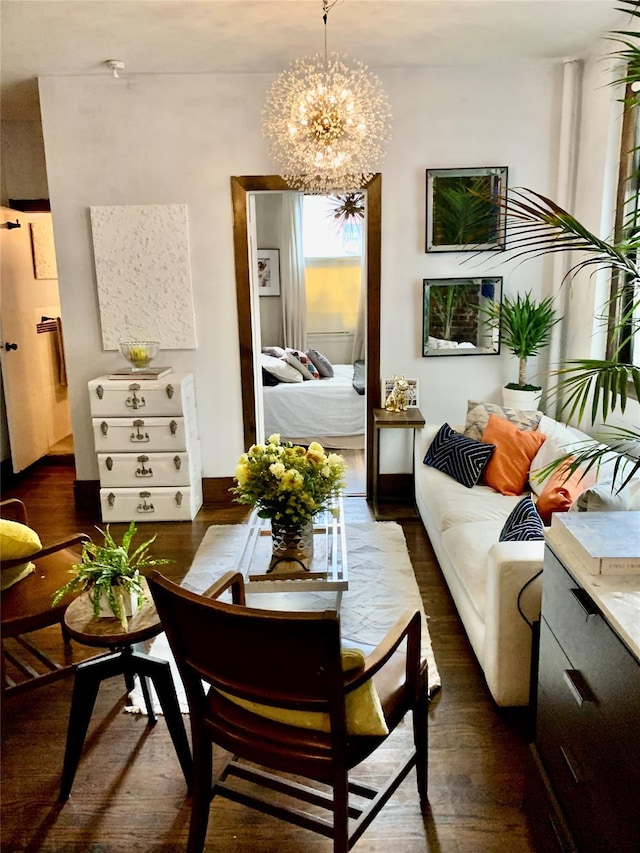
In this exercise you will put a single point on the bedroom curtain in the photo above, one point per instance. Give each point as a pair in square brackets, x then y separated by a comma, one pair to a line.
[359, 332]
[293, 291]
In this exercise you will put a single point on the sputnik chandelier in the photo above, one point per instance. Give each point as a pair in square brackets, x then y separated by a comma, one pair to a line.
[327, 120]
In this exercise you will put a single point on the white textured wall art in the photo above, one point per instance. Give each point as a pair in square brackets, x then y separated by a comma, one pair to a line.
[44, 250]
[144, 275]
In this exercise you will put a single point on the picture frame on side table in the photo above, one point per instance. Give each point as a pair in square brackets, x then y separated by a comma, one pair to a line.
[464, 213]
[268, 263]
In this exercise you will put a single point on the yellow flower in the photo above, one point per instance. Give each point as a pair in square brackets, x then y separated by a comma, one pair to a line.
[274, 439]
[277, 469]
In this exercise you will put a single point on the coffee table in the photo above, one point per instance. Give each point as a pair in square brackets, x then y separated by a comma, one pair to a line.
[328, 570]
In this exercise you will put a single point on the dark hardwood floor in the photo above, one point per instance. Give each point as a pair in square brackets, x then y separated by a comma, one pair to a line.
[129, 794]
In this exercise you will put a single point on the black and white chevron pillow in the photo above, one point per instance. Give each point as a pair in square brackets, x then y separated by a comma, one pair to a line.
[523, 524]
[460, 457]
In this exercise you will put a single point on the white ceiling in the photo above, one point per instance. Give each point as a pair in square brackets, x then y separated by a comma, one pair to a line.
[75, 37]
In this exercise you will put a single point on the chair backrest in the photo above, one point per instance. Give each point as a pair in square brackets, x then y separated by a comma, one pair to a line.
[286, 659]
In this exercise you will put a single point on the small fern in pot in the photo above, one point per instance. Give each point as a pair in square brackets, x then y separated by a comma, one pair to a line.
[111, 572]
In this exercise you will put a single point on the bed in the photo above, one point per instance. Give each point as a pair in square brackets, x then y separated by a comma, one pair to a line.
[328, 410]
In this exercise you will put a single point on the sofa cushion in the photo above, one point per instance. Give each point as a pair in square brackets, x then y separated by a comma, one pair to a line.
[449, 503]
[478, 417]
[562, 489]
[508, 469]
[524, 524]
[467, 546]
[461, 458]
[561, 440]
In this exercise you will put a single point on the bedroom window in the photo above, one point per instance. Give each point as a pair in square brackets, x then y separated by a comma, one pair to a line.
[333, 249]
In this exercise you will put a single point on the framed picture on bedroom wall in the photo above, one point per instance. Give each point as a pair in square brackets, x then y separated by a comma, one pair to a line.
[412, 391]
[268, 261]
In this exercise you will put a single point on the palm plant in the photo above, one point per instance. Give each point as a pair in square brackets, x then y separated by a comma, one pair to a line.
[538, 226]
[525, 328]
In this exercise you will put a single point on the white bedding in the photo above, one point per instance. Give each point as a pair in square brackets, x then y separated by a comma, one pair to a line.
[316, 409]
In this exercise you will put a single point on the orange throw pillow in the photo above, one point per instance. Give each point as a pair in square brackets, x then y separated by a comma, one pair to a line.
[561, 491]
[508, 468]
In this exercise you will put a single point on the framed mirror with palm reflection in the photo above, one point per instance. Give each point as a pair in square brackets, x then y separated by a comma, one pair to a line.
[463, 209]
[455, 314]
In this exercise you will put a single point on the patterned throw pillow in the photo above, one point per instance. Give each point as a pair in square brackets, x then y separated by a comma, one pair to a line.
[325, 368]
[478, 418]
[523, 524]
[461, 458]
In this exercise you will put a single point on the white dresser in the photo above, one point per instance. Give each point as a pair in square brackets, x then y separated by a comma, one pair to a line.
[146, 438]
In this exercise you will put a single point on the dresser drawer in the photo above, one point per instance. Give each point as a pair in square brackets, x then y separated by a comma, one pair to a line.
[158, 503]
[588, 738]
[173, 395]
[143, 470]
[139, 435]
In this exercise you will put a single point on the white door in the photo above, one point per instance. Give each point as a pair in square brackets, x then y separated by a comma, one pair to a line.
[21, 294]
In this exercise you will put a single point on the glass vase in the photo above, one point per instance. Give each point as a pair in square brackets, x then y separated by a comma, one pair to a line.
[291, 546]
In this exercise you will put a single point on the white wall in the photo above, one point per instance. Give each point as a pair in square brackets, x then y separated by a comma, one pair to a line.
[178, 139]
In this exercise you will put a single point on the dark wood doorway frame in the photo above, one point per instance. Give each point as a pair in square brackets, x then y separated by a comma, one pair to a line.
[240, 187]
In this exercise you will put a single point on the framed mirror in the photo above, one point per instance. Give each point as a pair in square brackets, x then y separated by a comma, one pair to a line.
[463, 209]
[454, 319]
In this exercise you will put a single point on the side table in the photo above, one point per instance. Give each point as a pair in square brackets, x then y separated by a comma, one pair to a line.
[382, 419]
[122, 659]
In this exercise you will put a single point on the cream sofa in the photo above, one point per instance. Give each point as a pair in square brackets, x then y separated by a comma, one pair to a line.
[485, 576]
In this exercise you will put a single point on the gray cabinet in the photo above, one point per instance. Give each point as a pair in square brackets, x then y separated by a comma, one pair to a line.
[587, 744]
[146, 439]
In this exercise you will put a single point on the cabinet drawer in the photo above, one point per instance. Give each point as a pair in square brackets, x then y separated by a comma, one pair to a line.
[589, 748]
[147, 469]
[138, 435]
[173, 395]
[153, 504]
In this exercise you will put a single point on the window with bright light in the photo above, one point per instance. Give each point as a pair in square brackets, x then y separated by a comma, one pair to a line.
[333, 230]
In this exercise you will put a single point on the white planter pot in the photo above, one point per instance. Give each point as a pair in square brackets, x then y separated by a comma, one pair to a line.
[130, 601]
[523, 401]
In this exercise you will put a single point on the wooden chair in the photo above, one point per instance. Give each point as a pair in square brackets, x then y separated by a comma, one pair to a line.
[26, 606]
[287, 660]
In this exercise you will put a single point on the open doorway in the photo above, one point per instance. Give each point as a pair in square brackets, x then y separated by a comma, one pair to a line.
[34, 383]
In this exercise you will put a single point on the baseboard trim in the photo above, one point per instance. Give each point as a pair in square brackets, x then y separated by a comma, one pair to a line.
[215, 492]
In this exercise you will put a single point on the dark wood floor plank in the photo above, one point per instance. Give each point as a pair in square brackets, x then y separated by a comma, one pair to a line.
[129, 795]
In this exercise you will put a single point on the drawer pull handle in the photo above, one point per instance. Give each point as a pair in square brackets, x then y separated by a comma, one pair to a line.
[169, 390]
[134, 386]
[142, 471]
[100, 391]
[173, 426]
[111, 498]
[571, 763]
[585, 601]
[135, 402]
[578, 686]
[139, 437]
[177, 462]
[144, 506]
[109, 463]
[179, 497]
[104, 427]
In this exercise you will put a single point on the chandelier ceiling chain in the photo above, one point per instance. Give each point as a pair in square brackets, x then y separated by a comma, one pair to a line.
[327, 121]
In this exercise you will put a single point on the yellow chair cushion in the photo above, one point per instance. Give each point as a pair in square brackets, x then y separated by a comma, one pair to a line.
[363, 707]
[16, 540]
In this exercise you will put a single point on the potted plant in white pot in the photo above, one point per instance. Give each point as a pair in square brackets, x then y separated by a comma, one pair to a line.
[525, 328]
[110, 574]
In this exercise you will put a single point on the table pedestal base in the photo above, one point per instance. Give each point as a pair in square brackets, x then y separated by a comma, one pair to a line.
[129, 663]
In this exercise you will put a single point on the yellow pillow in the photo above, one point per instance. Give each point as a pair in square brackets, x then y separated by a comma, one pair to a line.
[16, 540]
[363, 708]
